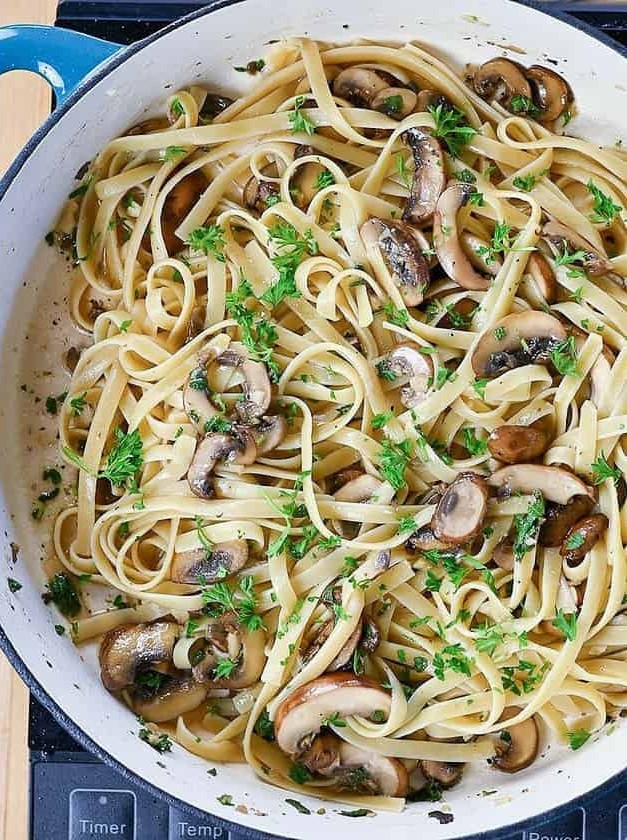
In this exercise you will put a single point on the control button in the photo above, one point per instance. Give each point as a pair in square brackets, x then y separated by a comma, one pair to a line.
[102, 813]
[571, 826]
[183, 825]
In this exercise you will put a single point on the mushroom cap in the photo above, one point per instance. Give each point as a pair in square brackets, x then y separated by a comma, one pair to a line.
[429, 177]
[446, 773]
[559, 519]
[323, 755]
[512, 444]
[503, 555]
[473, 246]
[446, 240]
[215, 447]
[176, 696]
[268, 433]
[459, 515]
[501, 79]
[396, 102]
[213, 104]
[542, 276]
[406, 360]
[402, 253]
[561, 237]
[257, 192]
[304, 183]
[380, 774]
[301, 714]
[590, 529]
[223, 560]
[177, 205]
[129, 648]
[425, 540]
[257, 386]
[252, 657]
[360, 489]
[498, 351]
[520, 749]
[358, 85]
[551, 92]
[196, 402]
[555, 484]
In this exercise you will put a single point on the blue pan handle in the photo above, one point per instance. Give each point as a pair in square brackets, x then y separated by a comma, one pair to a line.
[60, 56]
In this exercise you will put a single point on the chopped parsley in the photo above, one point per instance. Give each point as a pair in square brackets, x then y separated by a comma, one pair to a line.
[264, 727]
[478, 386]
[473, 444]
[125, 458]
[401, 169]
[601, 470]
[604, 210]
[160, 742]
[324, 179]
[564, 357]
[575, 540]
[62, 592]
[520, 104]
[393, 462]
[14, 585]
[577, 738]
[525, 182]
[224, 668]
[379, 420]
[220, 598]
[451, 126]
[208, 239]
[527, 526]
[300, 122]
[393, 104]
[300, 774]
[77, 404]
[566, 624]
[333, 719]
[172, 153]
[453, 658]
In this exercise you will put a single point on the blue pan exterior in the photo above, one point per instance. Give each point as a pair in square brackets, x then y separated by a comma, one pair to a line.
[28, 47]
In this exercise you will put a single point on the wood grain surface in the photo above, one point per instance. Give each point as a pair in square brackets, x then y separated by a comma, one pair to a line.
[24, 104]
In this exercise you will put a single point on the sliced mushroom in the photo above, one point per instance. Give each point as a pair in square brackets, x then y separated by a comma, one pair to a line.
[300, 716]
[148, 126]
[257, 387]
[177, 695]
[551, 93]
[196, 401]
[268, 433]
[503, 555]
[129, 648]
[513, 444]
[582, 537]
[370, 772]
[521, 338]
[407, 360]
[429, 177]
[476, 249]
[359, 85]
[459, 516]
[432, 99]
[555, 484]
[600, 378]
[228, 638]
[396, 102]
[345, 655]
[445, 773]
[517, 746]
[542, 276]
[304, 183]
[177, 205]
[360, 489]
[559, 519]
[402, 254]
[257, 191]
[323, 756]
[425, 540]
[563, 238]
[72, 358]
[501, 79]
[211, 449]
[446, 240]
[196, 323]
[198, 564]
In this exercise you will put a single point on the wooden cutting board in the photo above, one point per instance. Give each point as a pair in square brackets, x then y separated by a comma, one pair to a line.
[25, 103]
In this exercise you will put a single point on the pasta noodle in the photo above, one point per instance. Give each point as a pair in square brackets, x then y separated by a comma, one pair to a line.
[351, 429]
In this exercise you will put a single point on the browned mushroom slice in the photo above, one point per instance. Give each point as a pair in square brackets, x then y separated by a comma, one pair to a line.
[555, 484]
[501, 79]
[358, 85]
[257, 191]
[211, 449]
[228, 639]
[582, 537]
[370, 773]
[213, 104]
[72, 358]
[521, 338]
[429, 177]
[516, 746]
[445, 773]
[323, 755]
[407, 360]
[176, 696]
[551, 92]
[503, 555]
[402, 254]
[196, 401]
[257, 387]
[396, 102]
[223, 560]
[425, 540]
[476, 249]
[305, 183]
[196, 323]
[513, 444]
[177, 205]
[559, 519]
[360, 489]
[459, 516]
[431, 99]
[542, 277]
[300, 716]
[268, 433]
[563, 239]
[446, 240]
[148, 126]
[345, 655]
[129, 648]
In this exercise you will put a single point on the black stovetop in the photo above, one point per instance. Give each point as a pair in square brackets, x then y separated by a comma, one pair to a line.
[74, 796]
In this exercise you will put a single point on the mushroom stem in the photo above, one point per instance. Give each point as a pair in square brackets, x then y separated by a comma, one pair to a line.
[446, 240]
